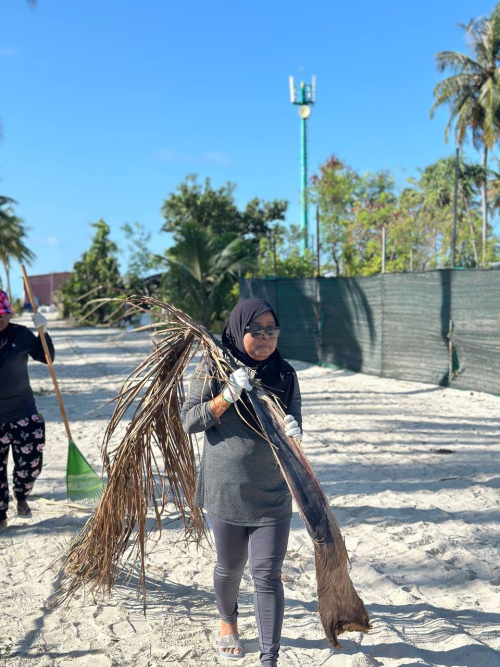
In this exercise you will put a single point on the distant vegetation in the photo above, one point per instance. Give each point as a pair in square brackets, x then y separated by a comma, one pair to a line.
[95, 276]
[355, 208]
[13, 234]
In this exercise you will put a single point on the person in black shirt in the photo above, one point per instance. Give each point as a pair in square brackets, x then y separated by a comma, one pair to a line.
[21, 426]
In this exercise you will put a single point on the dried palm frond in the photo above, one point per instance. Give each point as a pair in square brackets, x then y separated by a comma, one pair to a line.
[155, 461]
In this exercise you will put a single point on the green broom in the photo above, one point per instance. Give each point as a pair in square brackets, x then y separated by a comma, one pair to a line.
[82, 483]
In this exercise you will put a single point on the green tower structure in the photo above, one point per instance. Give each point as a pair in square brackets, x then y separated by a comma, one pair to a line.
[304, 97]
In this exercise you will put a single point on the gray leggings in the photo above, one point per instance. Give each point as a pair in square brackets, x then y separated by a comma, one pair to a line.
[265, 547]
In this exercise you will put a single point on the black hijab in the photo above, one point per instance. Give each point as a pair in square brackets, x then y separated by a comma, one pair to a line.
[275, 373]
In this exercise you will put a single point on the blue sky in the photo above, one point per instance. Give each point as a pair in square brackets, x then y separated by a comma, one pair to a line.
[106, 105]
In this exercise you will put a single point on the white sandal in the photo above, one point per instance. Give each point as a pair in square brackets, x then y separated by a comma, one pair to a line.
[230, 641]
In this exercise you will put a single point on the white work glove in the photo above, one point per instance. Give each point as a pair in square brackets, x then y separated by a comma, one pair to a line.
[238, 381]
[292, 427]
[39, 321]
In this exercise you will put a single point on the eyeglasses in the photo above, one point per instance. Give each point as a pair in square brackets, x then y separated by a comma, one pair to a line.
[258, 332]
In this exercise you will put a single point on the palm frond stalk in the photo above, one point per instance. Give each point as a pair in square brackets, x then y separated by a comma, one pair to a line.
[155, 462]
[340, 607]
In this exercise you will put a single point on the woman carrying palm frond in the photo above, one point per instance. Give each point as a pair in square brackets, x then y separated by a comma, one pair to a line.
[240, 485]
[252, 464]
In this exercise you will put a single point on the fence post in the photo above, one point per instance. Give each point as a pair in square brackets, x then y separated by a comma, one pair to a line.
[276, 297]
[455, 198]
[450, 353]
[318, 290]
[274, 255]
[382, 323]
[318, 244]
[383, 248]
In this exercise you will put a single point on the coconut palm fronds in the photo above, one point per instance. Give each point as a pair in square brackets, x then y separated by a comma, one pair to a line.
[154, 461]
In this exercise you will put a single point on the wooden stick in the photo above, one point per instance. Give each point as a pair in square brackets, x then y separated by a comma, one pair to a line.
[47, 355]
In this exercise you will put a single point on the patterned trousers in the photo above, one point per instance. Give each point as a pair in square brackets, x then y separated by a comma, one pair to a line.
[27, 438]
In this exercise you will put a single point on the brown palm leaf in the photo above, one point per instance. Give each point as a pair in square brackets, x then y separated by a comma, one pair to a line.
[155, 461]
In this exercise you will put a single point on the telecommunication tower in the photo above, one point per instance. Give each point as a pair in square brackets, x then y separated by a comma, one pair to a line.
[304, 97]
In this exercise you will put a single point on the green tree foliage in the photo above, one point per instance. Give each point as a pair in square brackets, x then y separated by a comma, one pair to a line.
[12, 239]
[280, 256]
[375, 210]
[354, 210]
[141, 261]
[96, 275]
[201, 276]
[214, 243]
[215, 210]
[436, 187]
[472, 94]
[418, 220]
[335, 191]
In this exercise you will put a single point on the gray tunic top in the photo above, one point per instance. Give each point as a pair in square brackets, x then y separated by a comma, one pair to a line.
[239, 481]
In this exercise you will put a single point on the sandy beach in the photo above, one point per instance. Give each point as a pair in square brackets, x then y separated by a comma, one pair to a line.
[412, 472]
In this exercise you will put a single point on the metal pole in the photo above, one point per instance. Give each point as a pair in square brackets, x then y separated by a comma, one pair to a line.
[274, 254]
[303, 163]
[304, 99]
[318, 244]
[318, 284]
[383, 249]
[455, 199]
[484, 198]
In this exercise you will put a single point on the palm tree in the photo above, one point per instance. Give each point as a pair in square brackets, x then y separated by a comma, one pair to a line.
[200, 274]
[12, 239]
[433, 199]
[473, 93]
[470, 178]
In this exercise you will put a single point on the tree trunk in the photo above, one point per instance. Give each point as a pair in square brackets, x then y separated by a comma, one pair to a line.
[6, 268]
[336, 260]
[485, 203]
[471, 227]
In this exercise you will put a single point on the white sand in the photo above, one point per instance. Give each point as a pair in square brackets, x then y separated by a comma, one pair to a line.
[422, 530]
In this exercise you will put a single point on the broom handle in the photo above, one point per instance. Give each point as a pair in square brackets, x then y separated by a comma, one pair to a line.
[47, 356]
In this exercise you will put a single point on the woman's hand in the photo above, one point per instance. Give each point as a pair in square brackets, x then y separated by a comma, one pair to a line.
[292, 428]
[39, 321]
[238, 381]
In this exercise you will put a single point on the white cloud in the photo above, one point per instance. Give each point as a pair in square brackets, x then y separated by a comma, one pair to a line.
[179, 157]
[216, 157]
[52, 240]
[8, 53]
[168, 155]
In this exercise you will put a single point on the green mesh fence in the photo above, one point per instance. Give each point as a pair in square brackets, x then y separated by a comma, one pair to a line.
[351, 323]
[475, 314]
[415, 326]
[440, 327]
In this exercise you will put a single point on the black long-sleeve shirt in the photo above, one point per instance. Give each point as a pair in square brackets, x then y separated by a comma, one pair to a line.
[16, 396]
